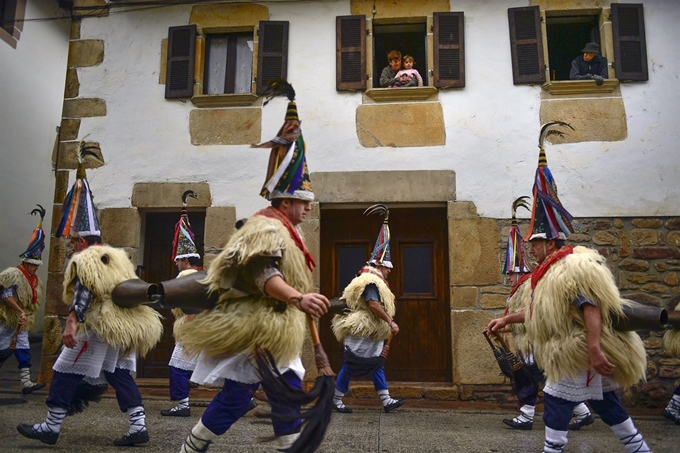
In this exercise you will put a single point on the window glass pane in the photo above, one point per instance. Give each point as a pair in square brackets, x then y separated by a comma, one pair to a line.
[350, 260]
[216, 72]
[244, 64]
[417, 262]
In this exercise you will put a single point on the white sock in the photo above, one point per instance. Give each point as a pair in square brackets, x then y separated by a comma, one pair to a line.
[285, 442]
[630, 437]
[526, 414]
[337, 399]
[198, 439]
[181, 404]
[384, 395]
[25, 374]
[554, 440]
[674, 405]
[137, 419]
[55, 415]
[580, 412]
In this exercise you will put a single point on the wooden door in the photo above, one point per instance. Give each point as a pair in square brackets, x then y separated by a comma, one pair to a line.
[158, 267]
[419, 247]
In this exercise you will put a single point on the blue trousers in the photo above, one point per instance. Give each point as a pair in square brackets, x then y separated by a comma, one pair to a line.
[557, 414]
[23, 357]
[342, 381]
[232, 403]
[677, 390]
[63, 388]
[179, 383]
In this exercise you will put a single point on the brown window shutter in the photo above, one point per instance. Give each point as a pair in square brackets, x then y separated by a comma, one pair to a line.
[630, 46]
[179, 78]
[526, 45]
[272, 53]
[449, 50]
[350, 53]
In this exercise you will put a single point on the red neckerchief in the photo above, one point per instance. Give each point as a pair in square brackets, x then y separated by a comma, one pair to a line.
[542, 268]
[514, 290]
[373, 271]
[274, 213]
[32, 280]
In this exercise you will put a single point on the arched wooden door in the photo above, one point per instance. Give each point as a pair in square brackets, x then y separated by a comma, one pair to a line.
[158, 266]
[419, 247]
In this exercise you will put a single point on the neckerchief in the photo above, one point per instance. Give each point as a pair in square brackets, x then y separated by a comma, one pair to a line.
[274, 213]
[542, 268]
[32, 280]
[373, 271]
[514, 290]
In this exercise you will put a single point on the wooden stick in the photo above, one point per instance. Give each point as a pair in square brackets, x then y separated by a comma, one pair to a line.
[322, 363]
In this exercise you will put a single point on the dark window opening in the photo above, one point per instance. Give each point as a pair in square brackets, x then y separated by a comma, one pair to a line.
[567, 35]
[417, 273]
[7, 15]
[409, 39]
[351, 258]
[228, 63]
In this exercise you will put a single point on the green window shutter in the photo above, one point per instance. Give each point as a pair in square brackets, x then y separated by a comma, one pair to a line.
[350, 53]
[449, 50]
[179, 77]
[272, 53]
[630, 46]
[526, 45]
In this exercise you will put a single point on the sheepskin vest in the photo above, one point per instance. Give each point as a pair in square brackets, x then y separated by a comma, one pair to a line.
[359, 321]
[10, 317]
[244, 317]
[518, 301]
[671, 339]
[100, 269]
[556, 329]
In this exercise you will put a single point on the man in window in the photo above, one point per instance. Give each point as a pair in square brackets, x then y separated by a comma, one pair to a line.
[369, 322]
[590, 65]
[20, 290]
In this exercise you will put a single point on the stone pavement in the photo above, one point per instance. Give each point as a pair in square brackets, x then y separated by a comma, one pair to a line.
[417, 427]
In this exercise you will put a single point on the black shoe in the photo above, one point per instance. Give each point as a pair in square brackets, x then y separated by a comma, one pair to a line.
[44, 437]
[138, 438]
[251, 405]
[32, 388]
[588, 420]
[671, 416]
[528, 425]
[392, 406]
[174, 412]
[342, 409]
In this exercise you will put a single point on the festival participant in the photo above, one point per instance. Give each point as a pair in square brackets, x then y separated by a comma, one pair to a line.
[369, 322]
[671, 343]
[20, 291]
[569, 323]
[264, 280]
[101, 339]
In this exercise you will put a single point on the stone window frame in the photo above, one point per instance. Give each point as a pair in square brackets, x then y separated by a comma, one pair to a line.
[368, 59]
[10, 31]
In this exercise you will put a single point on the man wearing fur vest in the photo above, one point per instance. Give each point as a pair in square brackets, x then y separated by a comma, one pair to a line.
[20, 290]
[369, 321]
[671, 343]
[101, 339]
[569, 325]
[264, 281]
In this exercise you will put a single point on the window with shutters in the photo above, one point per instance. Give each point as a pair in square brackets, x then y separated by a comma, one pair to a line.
[228, 63]
[440, 60]
[567, 35]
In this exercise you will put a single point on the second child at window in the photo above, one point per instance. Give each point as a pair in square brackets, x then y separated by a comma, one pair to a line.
[408, 75]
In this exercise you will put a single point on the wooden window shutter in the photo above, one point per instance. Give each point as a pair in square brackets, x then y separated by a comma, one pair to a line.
[179, 77]
[630, 46]
[350, 53]
[449, 50]
[272, 53]
[526, 45]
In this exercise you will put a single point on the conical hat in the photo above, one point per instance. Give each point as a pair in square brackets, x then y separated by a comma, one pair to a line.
[515, 257]
[33, 253]
[381, 250]
[79, 216]
[184, 244]
[549, 219]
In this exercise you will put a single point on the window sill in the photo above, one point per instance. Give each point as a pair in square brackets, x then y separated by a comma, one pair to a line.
[402, 94]
[568, 87]
[224, 100]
